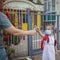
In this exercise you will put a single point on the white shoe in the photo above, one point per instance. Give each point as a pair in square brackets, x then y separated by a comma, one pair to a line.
[28, 58]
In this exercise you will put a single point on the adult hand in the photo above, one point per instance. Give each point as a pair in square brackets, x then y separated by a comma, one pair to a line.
[37, 29]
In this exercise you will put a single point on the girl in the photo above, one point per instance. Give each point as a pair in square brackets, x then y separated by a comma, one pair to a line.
[48, 42]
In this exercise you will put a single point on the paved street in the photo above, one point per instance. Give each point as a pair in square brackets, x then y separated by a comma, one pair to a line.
[39, 57]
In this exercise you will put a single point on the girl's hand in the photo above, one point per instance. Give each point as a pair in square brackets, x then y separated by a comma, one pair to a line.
[37, 29]
[39, 32]
[57, 51]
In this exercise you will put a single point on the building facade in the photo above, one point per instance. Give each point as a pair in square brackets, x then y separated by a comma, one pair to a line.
[17, 9]
[57, 6]
[49, 11]
[24, 5]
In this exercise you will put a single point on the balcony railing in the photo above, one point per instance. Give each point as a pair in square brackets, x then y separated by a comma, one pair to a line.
[36, 2]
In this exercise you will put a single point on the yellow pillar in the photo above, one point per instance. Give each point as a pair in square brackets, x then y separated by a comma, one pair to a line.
[24, 25]
[16, 20]
[39, 19]
[32, 20]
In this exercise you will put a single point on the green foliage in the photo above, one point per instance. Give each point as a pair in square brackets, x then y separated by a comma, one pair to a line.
[39, 2]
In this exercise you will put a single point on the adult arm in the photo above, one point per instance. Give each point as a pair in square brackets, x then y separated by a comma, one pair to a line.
[18, 32]
[8, 27]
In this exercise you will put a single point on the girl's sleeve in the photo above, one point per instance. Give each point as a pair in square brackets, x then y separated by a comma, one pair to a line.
[42, 41]
[45, 37]
[55, 42]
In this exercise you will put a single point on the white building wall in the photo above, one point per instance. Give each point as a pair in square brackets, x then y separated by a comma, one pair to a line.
[58, 9]
[23, 4]
[48, 6]
[58, 6]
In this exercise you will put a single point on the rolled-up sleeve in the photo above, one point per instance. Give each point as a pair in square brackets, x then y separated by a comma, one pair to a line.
[4, 21]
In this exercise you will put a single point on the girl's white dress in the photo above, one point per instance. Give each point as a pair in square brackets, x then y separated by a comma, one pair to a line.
[49, 51]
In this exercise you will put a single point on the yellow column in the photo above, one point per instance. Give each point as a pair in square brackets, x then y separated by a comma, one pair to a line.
[39, 19]
[32, 20]
[24, 25]
[16, 19]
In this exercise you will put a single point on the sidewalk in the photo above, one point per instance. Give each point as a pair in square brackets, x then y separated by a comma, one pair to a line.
[39, 57]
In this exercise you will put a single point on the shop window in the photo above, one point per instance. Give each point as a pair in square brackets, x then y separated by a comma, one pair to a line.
[25, 18]
[53, 5]
[36, 1]
[50, 16]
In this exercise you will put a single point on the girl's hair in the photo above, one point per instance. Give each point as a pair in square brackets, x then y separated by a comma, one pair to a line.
[50, 25]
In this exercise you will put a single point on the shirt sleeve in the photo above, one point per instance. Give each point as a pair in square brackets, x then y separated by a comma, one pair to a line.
[4, 21]
[45, 37]
[55, 42]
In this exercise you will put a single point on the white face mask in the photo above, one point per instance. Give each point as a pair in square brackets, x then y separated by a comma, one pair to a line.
[48, 32]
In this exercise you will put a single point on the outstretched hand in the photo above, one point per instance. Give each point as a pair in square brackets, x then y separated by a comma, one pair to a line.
[37, 28]
[39, 32]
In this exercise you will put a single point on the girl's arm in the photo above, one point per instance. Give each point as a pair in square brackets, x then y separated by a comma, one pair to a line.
[56, 51]
[39, 32]
[55, 46]
[18, 32]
